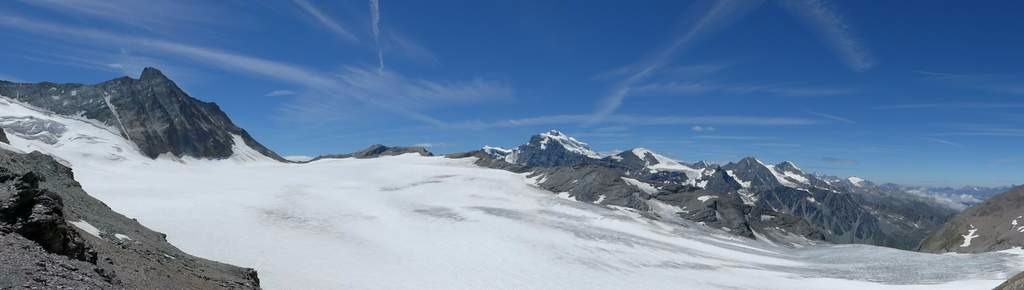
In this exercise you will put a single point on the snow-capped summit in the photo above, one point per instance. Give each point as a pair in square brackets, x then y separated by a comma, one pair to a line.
[789, 166]
[551, 148]
[653, 162]
[703, 164]
[755, 173]
[568, 143]
[856, 181]
[752, 173]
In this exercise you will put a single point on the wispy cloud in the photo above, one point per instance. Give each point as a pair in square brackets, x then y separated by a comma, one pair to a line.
[838, 161]
[634, 120]
[280, 93]
[155, 15]
[833, 117]
[1002, 84]
[943, 141]
[389, 91]
[821, 17]
[411, 50]
[714, 18]
[777, 145]
[1005, 161]
[681, 72]
[701, 129]
[430, 145]
[698, 88]
[992, 132]
[728, 137]
[328, 22]
[375, 25]
[958, 105]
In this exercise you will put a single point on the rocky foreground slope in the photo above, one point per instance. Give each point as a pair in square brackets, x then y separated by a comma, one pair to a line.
[54, 235]
[993, 225]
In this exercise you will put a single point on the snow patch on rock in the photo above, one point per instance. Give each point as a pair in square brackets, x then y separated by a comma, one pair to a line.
[971, 234]
[86, 227]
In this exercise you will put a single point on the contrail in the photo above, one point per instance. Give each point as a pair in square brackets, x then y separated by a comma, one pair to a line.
[820, 16]
[325, 20]
[375, 20]
[719, 15]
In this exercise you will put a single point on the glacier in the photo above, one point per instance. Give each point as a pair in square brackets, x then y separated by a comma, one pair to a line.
[413, 222]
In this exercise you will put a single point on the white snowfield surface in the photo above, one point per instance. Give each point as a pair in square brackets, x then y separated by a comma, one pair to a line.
[410, 222]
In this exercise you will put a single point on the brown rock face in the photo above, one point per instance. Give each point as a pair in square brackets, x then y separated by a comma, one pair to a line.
[994, 225]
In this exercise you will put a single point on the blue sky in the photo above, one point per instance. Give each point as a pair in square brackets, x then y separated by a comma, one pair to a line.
[914, 92]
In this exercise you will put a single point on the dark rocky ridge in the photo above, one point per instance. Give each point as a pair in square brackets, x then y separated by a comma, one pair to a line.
[3, 137]
[997, 224]
[151, 111]
[42, 247]
[376, 150]
[1014, 283]
[762, 205]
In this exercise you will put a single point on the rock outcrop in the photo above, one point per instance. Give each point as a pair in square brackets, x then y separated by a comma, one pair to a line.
[1014, 283]
[54, 235]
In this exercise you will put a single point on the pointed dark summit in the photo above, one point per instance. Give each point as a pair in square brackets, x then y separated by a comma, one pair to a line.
[152, 112]
[150, 73]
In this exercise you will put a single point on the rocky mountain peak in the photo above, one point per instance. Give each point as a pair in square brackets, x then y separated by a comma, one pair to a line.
[152, 112]
[557, 138]
[789, 166]
[152, 74]
[703, 164]
[749, 162]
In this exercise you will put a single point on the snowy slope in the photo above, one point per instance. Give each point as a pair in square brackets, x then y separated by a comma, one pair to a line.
[663, 163]
[411, 222]
[569, 143]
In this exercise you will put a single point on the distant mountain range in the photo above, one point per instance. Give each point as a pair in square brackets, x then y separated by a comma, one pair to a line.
[777, 202]
[956, 197]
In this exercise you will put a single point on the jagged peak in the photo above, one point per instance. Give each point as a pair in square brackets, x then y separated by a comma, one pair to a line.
[566, 141]
[490, 149]
[553, 132]
[856, 181]
[702, 164]
[151, 73]
[750, 160]
[789, 166]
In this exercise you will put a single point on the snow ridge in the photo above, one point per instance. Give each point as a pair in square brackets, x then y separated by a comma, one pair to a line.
[113, 110]
[569, 143]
